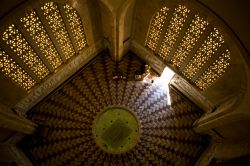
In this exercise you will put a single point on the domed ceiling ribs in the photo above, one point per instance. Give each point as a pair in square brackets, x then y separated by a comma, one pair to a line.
[40, 41]
[67, 116]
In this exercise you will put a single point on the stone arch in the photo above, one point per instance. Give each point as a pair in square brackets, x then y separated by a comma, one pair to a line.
[229, 94]
[174, 29]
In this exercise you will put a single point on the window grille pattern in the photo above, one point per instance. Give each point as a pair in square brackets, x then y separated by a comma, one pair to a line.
[76, 26]
[188, 55]
[36, 30]
[24, 55]
[156, 28]
[21, 47]
[57, 26]
[12, 70]
[215, 71]
[176, 23]
[208, 48]
[196, 28]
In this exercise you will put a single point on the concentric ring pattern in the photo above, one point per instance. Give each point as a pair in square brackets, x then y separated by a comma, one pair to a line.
[66, 117]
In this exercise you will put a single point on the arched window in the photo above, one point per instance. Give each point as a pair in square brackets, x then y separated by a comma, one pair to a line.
[40, 41]
[187, 40]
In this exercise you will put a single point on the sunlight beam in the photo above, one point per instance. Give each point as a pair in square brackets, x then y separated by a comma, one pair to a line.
[164, 81]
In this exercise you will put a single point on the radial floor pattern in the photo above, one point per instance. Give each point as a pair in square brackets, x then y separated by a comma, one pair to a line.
[66, 119]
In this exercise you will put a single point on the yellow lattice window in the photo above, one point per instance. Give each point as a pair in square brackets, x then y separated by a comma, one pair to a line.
[21, 47]
[187, 48]
[36, 30]
[193, 33]
[155, 29]
[55, 21]
[208, 48]
[12, 70]
[215, 71]
[76, 26]
[177, 21]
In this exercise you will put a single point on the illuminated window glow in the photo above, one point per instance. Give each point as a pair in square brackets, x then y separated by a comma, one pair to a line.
[12, 70]
[33, 48]
[189, 40]
[174, 28]
[15, 39]
[164, 81]
[52, 15]
[156, 28]
[76, 26]
[205, 52]
[215, 71]
[188, 55]
[36, 30]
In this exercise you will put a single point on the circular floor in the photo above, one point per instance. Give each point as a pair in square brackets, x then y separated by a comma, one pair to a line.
[116, 130]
